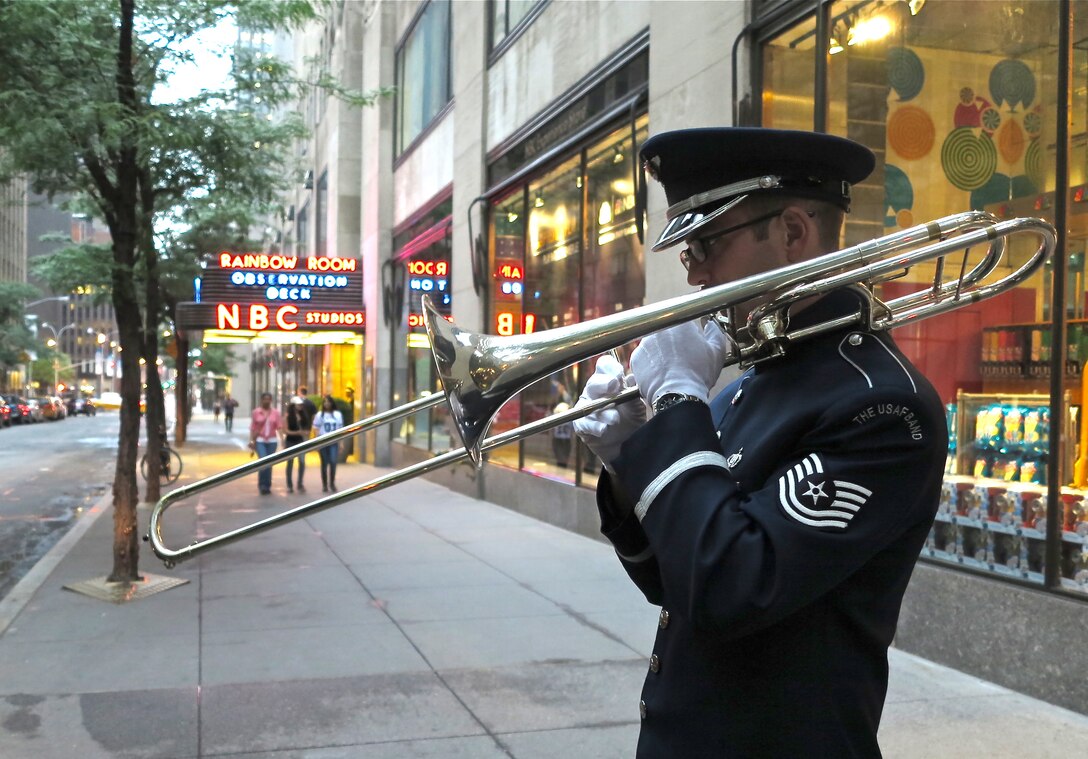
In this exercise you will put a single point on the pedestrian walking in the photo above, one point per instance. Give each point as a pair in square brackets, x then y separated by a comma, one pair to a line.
[293, 434]
[328, 420]
[265, 427]
[778, 525]
[216, 408]
[309, 410]
[229, 404]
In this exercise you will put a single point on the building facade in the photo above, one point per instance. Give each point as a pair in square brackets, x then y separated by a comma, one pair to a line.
[13, 211]
[500, 181]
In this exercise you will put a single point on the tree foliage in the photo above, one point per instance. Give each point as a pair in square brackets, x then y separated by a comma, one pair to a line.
[84, 112]
[16, 338]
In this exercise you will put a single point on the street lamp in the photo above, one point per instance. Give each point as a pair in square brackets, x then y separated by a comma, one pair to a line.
[61, 298]
[101, 363]
[53, 342]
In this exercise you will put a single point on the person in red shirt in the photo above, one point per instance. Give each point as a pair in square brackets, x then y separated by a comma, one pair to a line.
[265, 428]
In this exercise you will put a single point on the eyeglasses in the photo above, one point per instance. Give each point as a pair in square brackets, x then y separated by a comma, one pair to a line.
[698, 249]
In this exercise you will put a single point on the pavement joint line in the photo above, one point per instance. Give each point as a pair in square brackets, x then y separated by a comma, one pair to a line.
[400, 628]
[19, 596]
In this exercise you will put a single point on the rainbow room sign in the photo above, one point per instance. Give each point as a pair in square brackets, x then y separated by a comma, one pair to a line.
[256, 292]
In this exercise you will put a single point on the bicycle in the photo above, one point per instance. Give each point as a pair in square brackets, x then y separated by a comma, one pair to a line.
[170, 466]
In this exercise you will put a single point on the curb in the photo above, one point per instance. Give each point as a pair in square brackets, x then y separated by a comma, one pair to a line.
[24, 590]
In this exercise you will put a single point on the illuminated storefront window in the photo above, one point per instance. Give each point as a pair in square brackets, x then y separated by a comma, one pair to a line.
[564, 249]
[423, 253]
[789, 77]
[959, 101]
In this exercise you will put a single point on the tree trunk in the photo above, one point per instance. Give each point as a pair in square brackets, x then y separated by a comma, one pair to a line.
[155, 419]
[122, 223]
[126, 546]
[181, 390]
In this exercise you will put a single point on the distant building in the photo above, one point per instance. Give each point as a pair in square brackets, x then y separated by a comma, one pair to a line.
[76, 319]
[13, 225]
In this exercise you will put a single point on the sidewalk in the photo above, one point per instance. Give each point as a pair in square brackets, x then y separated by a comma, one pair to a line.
[413, 623]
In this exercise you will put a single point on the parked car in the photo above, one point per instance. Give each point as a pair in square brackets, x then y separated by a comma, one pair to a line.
[5, 413]
[20, 411]
[51, 410]
[36, 412]
[83, 406]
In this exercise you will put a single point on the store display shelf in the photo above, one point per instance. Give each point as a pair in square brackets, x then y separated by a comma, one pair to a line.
[1007, 529]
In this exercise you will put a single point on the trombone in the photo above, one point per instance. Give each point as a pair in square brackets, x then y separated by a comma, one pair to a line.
[479, 372]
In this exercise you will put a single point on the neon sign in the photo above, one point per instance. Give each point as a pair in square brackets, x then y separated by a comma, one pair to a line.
[431, 278]
[257, 316]
[428, 285]
[276, 262]
[509, 271]
[505, 320]
[416, 320]
[429, 268]
[229, 316]
[273, 291]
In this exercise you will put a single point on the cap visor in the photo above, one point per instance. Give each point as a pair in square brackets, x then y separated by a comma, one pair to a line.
[685, 224]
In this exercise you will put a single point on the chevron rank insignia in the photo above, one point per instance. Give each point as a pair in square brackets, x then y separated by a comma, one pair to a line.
[808, 495]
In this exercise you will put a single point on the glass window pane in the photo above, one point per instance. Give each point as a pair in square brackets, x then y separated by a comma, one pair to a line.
[789, 76]
[958, 103]
[499, 27]
[421, 266]
[517, 10]
[423, 73]
[507, 247]
[612, 273]
[552, 296]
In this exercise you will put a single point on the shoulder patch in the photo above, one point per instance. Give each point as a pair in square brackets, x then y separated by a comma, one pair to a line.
[911, 421]
[808, 495]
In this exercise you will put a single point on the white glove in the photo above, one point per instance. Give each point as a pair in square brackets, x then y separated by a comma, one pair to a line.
[605, 430]
[687, 359]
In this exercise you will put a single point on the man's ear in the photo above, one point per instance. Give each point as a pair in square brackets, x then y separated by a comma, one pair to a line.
[801, 232]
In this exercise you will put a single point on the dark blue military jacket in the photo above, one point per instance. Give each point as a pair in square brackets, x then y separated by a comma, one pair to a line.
[778, 529]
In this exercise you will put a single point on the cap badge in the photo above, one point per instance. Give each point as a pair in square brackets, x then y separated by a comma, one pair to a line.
[652, 166]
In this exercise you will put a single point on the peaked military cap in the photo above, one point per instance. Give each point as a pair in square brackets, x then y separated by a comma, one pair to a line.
[706, 172]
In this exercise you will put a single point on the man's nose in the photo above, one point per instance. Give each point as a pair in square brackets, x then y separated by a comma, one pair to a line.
[697, 275]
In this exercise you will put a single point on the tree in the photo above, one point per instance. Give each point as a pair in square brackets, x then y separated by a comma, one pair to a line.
[218, 221]
[80, 113]
[52, 366]
[15, 338]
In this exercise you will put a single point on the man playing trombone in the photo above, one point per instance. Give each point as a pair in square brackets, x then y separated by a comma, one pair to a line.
[776, 525]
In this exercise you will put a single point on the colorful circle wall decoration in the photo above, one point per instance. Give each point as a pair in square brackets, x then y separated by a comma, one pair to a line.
[911, 133]
[1033, 163]
[990, 119]
[968, 160]
[1033, 120]
[997, 189]
[898, 197]
[1012, 82]
[1011, 141]
[906, 74]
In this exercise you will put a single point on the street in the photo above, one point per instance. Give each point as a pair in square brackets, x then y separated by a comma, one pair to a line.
[50, 472]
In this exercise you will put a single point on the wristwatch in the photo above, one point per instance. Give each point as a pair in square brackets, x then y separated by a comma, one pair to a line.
[668, 400]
